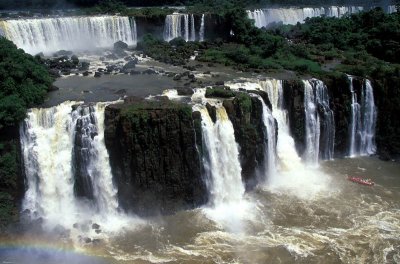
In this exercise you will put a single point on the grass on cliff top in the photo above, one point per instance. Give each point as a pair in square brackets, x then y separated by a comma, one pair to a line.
[142, 110]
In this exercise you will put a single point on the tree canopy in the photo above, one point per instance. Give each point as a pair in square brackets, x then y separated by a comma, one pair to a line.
[24, 83]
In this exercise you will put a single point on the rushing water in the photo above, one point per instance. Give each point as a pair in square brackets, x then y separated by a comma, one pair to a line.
[268, 16]
[363, 120]
[352, 224]
[48, 35]
[58, 144]
[300, 214]
[180, 25]
[319, 122]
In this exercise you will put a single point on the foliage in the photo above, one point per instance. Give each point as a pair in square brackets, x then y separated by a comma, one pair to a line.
[24, 83]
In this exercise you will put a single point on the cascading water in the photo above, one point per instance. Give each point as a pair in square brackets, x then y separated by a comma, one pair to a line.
[222, 164]
[363, 121]
[201, 33]
[51, 138]
[319, 122]
[291, 16]
[71, 33]
[270, 137]
[180, 25]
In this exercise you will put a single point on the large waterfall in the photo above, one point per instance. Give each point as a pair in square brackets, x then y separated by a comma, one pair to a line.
[69, 33]
[182, 25]
[65, 158]
[268, 16]
[363, 120]
[221, 161]
[319, 122]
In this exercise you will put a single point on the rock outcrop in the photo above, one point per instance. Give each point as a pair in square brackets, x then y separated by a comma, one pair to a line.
[245, 113]
[153, 155]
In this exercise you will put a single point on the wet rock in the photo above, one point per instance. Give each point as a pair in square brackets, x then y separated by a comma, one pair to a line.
[122, 91]
[134, 72]
[177, 77]
[87, 240]
[111, 56]
[95, 226]
[53, 88]
[84, 66]
[97, 74]
[129, 65]
[185, 91]
[86, 73]
[149, 71]
[120, 45]
[153, 155]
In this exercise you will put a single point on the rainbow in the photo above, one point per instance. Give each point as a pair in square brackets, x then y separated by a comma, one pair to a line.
[39, 251]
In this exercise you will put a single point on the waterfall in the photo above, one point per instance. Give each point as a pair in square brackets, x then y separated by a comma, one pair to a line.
[269, 16]
[287, 154]
[51, 139]
[221, 160]
[319, 122]
[363, 121]
[270, 137]
[192, 28]
[180, 25]
[201, 34]
[71, 33]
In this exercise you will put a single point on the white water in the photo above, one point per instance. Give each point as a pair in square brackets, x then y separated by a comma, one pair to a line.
[292, 176]
[363, 121]
[48, 35]
[201, 33]
[320, 128]
[180, 25]
[47, 139]
[268, 16]
[222, 160]
[270, 136]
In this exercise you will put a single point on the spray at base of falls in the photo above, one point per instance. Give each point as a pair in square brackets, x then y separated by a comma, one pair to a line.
[363, 120]
[48, 35]
[292, 176]
[223, 170]
[49, 137]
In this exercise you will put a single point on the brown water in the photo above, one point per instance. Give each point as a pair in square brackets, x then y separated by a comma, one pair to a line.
[331, 221]
[351, 224]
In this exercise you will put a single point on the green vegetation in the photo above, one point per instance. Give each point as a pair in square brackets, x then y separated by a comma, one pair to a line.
[23, 83]
[219, 92]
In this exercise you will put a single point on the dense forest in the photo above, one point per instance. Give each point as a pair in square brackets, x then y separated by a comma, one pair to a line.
[24, 83]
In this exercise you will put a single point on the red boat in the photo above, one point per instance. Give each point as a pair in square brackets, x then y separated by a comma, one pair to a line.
[362, 181]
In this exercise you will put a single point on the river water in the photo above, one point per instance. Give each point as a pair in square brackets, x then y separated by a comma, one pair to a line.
[327, 221]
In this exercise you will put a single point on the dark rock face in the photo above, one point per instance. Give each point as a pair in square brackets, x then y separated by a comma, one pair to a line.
[245, 113]
[153, 155]
[293, 92]
[387, 100]
[340, 103]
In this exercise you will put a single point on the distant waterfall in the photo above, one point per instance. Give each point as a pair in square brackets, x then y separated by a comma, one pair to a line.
[51, 138]
[319, 122]
[269, 16]
[221, 160]
[201, 33]
[180, 25]
[69, 33]
[363, 121]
